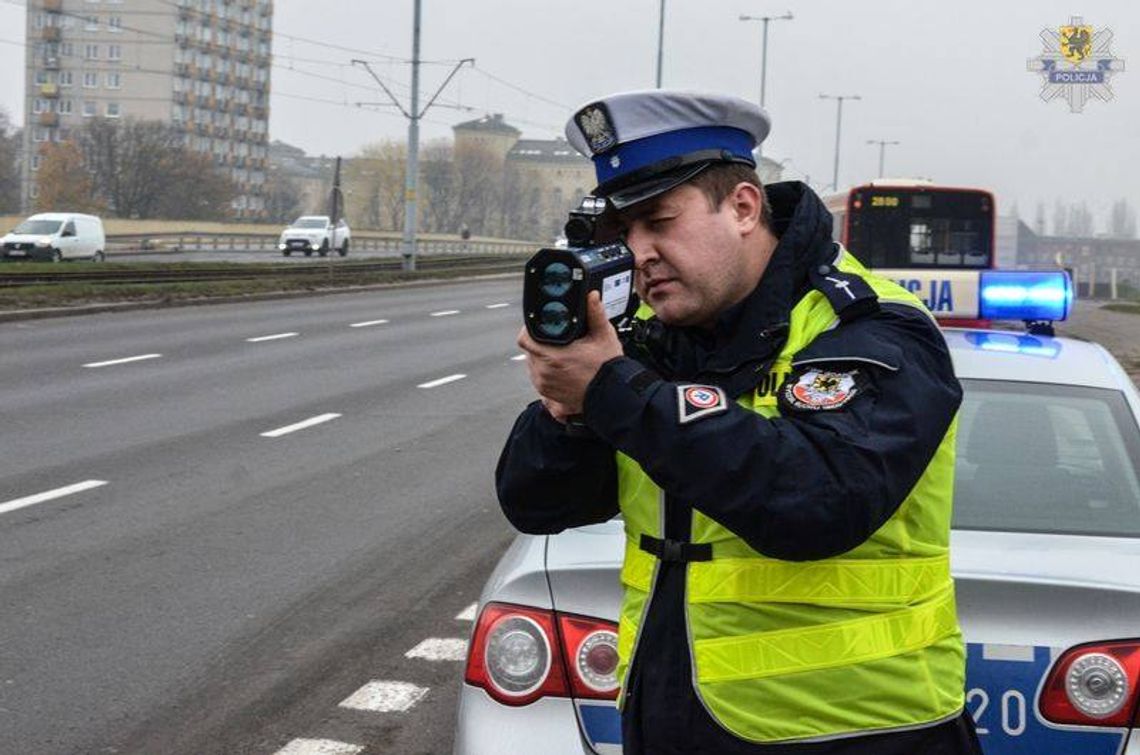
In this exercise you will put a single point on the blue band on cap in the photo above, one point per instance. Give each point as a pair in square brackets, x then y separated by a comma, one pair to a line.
[638, 154]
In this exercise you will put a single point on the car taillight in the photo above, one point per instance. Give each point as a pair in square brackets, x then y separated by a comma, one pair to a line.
[519, 654]
[1094, 685]
[591, 655]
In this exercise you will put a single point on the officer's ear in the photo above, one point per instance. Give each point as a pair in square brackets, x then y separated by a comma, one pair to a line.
[747, 204]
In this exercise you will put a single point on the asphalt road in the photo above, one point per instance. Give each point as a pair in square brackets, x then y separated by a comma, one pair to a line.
[224, 590]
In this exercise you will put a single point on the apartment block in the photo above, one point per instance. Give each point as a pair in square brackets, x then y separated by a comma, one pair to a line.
[201, 65]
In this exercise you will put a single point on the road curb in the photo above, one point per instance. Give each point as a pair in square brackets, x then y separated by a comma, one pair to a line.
[130, 306]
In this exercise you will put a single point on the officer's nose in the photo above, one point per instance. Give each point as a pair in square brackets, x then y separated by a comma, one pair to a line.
[640, 242]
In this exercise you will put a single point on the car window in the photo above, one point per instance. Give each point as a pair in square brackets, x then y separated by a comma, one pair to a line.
[37, 227]
[1047, 458]
[311, 223]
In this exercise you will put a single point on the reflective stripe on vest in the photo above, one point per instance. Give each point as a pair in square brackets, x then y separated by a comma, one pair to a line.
[840, 643]
[835, 580]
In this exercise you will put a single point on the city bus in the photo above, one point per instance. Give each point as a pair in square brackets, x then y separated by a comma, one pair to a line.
[932, 239]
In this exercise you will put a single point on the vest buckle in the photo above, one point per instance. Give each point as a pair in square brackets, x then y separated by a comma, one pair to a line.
[676, 551]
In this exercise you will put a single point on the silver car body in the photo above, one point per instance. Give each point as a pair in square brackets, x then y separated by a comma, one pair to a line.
[1023, 598]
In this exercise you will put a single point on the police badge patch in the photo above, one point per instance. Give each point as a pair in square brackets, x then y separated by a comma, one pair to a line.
[821, 390]
[595, 124]
[697, 401]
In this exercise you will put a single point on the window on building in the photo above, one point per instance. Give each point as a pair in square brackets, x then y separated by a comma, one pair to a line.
[91, 52]
[66, 78]
[40, 135]
[112, 110]
[88, 109]
[41, 77]
[65, 107]
[66, 49]
[90, 80]
[114, 52]
[113, 81]
[114, 23]
[39, 106]
[36, 161]
[91, 23]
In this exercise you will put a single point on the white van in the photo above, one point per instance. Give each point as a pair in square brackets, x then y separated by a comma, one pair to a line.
[56, 236]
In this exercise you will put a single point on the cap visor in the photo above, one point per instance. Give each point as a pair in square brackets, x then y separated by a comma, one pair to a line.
[639, 192]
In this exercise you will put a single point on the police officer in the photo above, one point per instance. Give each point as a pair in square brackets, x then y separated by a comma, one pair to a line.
[778, 435]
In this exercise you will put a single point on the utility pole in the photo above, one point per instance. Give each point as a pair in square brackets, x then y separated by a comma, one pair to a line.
[414, 114]
[882, 149]
[839, 98]
[660, 40]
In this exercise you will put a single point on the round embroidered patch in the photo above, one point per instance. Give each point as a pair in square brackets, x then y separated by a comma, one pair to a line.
[818, 389]
[701, 397]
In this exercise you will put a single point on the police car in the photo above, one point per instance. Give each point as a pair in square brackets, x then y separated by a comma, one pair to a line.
[1045, 551]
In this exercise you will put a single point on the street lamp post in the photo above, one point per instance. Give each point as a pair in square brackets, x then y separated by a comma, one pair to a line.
[660, 40]
[764, 47]
[839, 98]
[882, 149]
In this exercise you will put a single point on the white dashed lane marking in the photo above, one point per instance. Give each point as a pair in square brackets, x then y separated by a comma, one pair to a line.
[440, 649]
[126, 360]
[50, 495]
[274, 337]
[500, 305]
[445, 313]
[468, 613]
[319, 747]
[441, 381]
[385, 697]
[368, 324]
[319, 419]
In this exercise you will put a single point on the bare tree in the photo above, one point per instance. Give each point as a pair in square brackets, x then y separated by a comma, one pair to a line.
[479, 174]
[9, 165]
[1039, 219]
[63, 180]
[1080, 220]
[1060, 219]
[282, 197]
[142, 170]
[440, 186]
[1122, 220]
[374, 183]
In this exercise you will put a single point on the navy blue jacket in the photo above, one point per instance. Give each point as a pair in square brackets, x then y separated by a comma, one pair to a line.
[807, 485]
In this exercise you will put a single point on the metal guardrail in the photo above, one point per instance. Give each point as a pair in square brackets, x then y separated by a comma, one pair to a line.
[264, 242]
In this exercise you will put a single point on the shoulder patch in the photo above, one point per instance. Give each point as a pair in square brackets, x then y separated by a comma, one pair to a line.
[698, 401]
[821, 390]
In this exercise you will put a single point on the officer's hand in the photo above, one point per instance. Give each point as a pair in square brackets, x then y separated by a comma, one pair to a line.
[560, 374]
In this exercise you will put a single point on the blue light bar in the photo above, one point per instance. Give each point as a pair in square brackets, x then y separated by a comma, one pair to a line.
[1015, 344]
[1025, 295]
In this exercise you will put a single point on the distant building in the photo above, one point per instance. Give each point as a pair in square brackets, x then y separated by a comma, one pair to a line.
[1095, 260]
[202, 65]
[312, 175]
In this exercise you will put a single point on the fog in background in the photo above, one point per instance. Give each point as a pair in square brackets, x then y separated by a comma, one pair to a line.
[947, 80]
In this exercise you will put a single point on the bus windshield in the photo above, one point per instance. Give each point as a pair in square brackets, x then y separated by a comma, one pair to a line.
[907, 227]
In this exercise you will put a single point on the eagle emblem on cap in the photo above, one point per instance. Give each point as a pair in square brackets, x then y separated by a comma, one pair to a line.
[595, 124]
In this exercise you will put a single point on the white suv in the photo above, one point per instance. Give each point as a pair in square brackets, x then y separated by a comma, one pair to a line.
[315, 233]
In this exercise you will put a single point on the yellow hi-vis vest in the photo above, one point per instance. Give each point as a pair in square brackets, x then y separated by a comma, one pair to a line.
[863, 642]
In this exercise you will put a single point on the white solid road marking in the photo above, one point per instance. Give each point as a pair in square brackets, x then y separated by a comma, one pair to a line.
[439, 649]
[299, 426]
[319, 747]
[32, 500]
[385, 697]
[468, 613]
[445, 313]
[368, 324]
[274, 337]
[519, 358]
[441, 381]
[139, 358]
[500, 305]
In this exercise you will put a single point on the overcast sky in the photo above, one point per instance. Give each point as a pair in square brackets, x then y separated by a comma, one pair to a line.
[946, 80]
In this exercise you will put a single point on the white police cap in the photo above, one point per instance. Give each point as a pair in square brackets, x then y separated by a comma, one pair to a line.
[647, 142]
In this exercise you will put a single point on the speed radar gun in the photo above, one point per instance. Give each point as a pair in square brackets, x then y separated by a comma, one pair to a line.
[557, 281]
